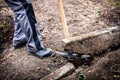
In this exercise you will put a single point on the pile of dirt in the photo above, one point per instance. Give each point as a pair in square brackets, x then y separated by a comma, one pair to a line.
[6, 31]
[106, 67]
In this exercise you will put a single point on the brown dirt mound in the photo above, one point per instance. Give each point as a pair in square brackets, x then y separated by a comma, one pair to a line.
[6, 31]
[106, 67]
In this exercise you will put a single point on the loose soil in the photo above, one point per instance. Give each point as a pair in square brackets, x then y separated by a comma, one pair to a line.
[6, 30]
[106, 67]
[83, 16]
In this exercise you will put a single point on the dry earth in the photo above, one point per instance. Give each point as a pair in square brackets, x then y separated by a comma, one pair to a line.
[83, 16]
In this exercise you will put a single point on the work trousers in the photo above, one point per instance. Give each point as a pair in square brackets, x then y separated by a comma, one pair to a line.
[26, 27]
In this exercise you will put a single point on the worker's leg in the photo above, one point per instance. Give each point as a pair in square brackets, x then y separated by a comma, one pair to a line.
[26, 20]
[19, 36]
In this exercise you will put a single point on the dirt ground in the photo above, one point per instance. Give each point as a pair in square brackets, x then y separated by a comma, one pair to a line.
[106, 67]
[83, 16]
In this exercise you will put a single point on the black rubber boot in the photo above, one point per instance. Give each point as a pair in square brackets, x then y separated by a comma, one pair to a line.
[43, 53]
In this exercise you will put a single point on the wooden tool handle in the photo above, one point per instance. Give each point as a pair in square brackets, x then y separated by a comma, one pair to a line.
[63, 19]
